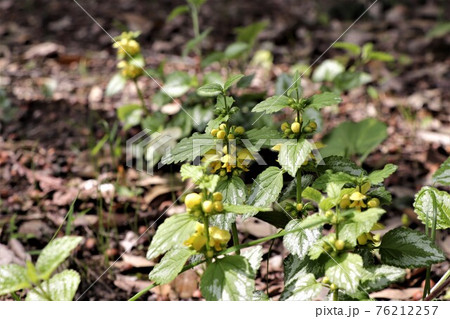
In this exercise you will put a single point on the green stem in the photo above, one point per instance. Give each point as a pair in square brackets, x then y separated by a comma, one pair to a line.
[299, 186]
[208, 248]
[427, 287]
[141, 97]
[15, 296]
[336, 295]
[440, 286]
[196, 28]
[234, 233]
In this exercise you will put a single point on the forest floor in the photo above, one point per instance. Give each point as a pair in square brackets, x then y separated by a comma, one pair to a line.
[54, 67]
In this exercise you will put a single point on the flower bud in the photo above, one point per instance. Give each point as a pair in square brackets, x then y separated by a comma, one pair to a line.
[217, 196]
[295, 127]
[223, 126]
[214, 132]
[374, 202]
[284, 126]
[207, 206]
[192, 200]
[218, 206]
[221, 134]
[299, 206]
[362, 239]
[239, 130]
[339, 244]
[231, 136]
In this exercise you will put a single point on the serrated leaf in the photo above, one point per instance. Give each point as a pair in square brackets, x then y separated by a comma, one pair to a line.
[263, 137]
[254, 256]
[232, 189]
[170, 265]
[324, 99]
[191, 171]
[115, 85]
[359, 223]
[407, 248]
[214, 123]
[61, 287]
[230, 278]
[377, 177]
[339, 178]
[300, 288]
[293, 155]
[380, 277]
[382, 194]
[272, 104]
[244, 209]
[349, 47]
[442, 175]
[189, 148]
[345, 271]
[13, 278]
[210, 89]
[246, 81]
[231, 80]
[299, 242]
[424, 207]
[266, 187]
[54, 254]
[312, 194]
[171, 234]
[342, 164]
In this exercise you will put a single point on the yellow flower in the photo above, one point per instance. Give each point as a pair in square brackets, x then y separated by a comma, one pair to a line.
[358, 200]
[295, 127]
[218, 238]
[345, 201]
[193, 200]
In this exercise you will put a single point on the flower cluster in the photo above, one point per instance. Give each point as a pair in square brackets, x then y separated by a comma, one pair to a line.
[199, 206]
[218, 238]
[128, 52]
[231, 158]
[297, 128]
[358, 199]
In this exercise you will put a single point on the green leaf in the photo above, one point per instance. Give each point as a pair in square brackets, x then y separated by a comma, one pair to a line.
[177, 11]
[342, 164]
[231, 80]
[244, 209]
[189, 148]
[312, 194]
[115, 85]
[382, 194]
[236, 49]
[214, 123]
[249, 33]
[272, 104]
[379, 277]
[210, 89]
[232, 189]
[171, 234]
[293, 155]
[377, 177]
[230, 278]
[327, 71]
[345, 271]
[351, 138]
[359, 223]
[195, 42]
[191, 171]
[407, 248]
[61, 287]
[380, 56]
[442, 175]
[301, 287]
[246, 81]
[55, 253]
[349, 47]
[13, 278]
[324, 99]
[170, 265]
[254, 257]
[424, 207]
[338, 178]
[349, 80]
[177, 84]
[262, 137]
[130, 115]
[266, 187]
[299, 242]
